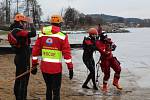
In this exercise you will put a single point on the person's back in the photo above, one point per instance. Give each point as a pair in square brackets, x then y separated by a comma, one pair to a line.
[51, 45]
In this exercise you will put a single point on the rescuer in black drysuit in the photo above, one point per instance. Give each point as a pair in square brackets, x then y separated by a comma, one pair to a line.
[88, 49]
[22, 57]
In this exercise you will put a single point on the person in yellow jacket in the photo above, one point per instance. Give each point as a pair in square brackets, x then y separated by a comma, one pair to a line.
[51, 45]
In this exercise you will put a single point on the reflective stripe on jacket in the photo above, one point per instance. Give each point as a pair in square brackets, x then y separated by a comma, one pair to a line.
[51, 46]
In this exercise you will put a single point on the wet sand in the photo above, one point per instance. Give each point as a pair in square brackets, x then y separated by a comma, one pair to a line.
[71, 90]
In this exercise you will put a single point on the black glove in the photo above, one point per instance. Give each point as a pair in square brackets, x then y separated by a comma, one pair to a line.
[70, 74]
[113, 47]
[34, 71]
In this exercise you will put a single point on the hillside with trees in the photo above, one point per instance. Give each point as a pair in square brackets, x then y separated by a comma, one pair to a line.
[73, 19]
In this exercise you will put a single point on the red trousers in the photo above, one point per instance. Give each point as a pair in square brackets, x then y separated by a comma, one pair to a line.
[105, 66]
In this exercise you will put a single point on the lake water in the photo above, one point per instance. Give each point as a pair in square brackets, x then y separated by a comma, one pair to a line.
[134, 52]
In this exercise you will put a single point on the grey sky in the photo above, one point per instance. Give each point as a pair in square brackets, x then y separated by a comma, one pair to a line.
[124, 8]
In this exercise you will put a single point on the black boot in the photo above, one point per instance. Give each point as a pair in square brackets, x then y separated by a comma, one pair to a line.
[85, 86]
[86, 82]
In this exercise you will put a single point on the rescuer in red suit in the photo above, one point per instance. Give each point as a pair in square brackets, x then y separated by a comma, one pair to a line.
[52, 45]
[105, 46]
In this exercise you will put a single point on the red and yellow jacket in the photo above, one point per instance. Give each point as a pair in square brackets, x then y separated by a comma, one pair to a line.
[51, 45]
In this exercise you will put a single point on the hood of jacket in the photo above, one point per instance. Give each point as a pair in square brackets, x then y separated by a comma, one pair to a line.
[55, 29]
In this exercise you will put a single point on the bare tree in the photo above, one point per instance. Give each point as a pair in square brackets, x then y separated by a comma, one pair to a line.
[7, 8]
[30, 8]
[2, 12]
[71, 17]
[33, 10]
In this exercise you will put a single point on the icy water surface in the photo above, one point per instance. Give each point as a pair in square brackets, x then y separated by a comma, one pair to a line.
[133, 50]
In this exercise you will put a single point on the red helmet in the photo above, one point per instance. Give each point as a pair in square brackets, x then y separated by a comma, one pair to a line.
[92, 31]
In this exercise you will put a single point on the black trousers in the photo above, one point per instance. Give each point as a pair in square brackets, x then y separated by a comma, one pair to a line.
[22, 62]
[90, 64]
[20, 87]
[53, 85]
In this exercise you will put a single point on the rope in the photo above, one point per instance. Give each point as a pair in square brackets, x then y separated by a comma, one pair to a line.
[97, 72]
[25, 73]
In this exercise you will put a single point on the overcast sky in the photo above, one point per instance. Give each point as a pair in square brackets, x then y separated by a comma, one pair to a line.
[123, 8]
